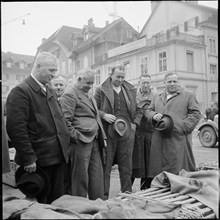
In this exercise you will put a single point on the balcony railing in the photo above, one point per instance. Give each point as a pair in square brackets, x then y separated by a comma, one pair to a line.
[156, 41]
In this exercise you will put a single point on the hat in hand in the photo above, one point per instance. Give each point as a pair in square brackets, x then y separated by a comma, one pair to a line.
[165, 125]
[120, 129]
[32, 184]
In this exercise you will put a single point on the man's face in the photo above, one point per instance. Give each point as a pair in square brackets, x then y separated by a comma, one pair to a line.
[145, 83]
[86, 83]
[46, 72]
[59, 87]
[172, 83]
[118, 77]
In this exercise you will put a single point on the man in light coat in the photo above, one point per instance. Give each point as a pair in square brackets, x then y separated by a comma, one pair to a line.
[172, 154]
[87, 137]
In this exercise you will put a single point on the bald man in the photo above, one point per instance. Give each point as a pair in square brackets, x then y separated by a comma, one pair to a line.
[37, 128]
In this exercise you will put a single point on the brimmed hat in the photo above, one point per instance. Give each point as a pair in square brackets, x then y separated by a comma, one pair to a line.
[144, 104]
[120, 129]
[32, 184]
[165, 125]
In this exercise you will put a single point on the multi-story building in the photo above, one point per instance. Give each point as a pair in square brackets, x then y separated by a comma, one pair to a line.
[78, 49]
[15, 68]
[178, 36]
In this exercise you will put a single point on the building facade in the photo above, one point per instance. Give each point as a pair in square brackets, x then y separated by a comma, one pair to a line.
[15, 68]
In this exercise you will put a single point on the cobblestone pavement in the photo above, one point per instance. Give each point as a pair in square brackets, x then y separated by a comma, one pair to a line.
[114, 186]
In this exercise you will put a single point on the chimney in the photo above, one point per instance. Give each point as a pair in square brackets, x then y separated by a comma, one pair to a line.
[106, 23]
[90, 22]
[153, 5]
[44, 39]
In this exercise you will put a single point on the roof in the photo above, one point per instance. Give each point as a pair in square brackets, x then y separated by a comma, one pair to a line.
[203, 7]
[101, 32]
[65, 35]
[17, 57]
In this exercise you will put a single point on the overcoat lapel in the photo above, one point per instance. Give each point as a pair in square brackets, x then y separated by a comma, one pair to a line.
[83, 98]
[108, 91]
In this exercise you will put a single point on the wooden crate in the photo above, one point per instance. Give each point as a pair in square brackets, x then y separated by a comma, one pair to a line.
[165, 195]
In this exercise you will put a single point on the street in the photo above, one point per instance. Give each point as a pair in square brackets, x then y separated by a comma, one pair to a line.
[202, 155]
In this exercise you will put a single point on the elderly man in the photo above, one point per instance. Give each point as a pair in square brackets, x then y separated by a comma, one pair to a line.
[118, 97]
[144, 133]
[36, 126]
[173, 152]
[59, 84]
[86, 135]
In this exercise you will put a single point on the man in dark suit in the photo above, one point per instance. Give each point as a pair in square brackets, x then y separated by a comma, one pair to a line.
[116, 96]
[86, 136]
[36, 126]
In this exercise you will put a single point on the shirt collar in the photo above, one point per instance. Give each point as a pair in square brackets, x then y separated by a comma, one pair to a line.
[39, 83]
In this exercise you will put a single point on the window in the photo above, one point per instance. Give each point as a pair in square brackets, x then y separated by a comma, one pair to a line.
[213, 69]
[129, 33]
[8, 64]
[189, 59]
[212, 46]
[21, 65]
[144, 66]
[5, 77]
[113, 38]
[86, 36]
[78, 65]
[185, 26]
[63, 71]
[109, 70]
[162, 61]
[127, 69]
[98, 77]
[85, 61]
[19, 78]
[5, 88]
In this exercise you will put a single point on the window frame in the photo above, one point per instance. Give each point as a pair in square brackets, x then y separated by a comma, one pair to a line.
[164, 60]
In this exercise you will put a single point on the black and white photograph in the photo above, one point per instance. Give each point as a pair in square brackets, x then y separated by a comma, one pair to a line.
[110, 109]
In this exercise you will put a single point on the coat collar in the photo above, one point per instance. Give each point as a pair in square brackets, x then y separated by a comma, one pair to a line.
[162, 95]
[36, 87]
[84, 99]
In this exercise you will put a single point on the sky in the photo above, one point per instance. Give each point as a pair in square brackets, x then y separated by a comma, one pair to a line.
[42, 19]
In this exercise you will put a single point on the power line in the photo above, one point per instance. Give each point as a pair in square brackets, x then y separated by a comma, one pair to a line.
[7, 22]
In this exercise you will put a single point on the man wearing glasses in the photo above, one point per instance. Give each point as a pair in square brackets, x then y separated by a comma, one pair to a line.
[118, 97]
[37, 128]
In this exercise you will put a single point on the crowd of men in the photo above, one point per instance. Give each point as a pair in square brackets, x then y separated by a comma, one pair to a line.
[68, 139]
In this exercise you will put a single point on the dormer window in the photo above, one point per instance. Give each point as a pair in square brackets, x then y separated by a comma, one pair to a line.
[86, 36]
[21, 65]
[8, 64]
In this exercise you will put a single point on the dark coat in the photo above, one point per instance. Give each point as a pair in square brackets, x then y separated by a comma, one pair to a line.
[141, 152]
[6, 168]
[36, 126]
[175, 153]
[104, 96]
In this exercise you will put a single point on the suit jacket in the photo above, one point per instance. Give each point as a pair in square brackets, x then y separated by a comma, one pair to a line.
[36, 126]
[82, 115]
[104, 96]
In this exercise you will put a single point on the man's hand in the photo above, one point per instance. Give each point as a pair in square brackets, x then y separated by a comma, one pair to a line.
[109, 118]
[157, 117]
[30, 168]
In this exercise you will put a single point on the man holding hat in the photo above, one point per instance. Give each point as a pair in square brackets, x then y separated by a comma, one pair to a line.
[116, 100]
[38, 131]
[141, 153]
[175, 113]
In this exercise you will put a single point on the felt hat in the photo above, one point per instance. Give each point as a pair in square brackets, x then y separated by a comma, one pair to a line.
[32, 184]
[165, 125]
[120, 129]
[144, 104]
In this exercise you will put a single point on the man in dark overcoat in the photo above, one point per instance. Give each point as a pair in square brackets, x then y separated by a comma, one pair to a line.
[36, 126]
[117, 96]
[173, 152]
[87, 137]
[141, 153]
